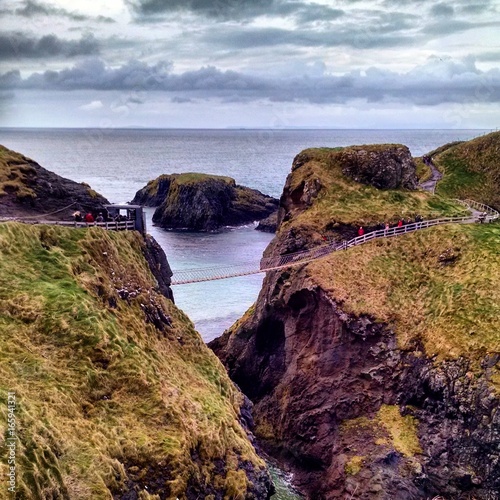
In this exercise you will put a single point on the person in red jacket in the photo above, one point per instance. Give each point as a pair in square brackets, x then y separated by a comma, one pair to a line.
[89, 218]
[361, 231]
[400, 223]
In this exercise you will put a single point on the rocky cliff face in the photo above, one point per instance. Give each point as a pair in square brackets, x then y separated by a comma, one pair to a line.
[27, 189]
[202, 202]
[373, 373]
[387, 167]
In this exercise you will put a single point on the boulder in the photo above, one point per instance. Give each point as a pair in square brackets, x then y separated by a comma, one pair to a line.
[388, 166]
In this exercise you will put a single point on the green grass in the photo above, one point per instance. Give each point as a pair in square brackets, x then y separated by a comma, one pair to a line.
[14, 172]
[196, 177]
[102, 393]
[343, 201]
[439, 286]
[471, 170]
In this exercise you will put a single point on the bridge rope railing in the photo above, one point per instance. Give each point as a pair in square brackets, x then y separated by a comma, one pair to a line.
[181, 277]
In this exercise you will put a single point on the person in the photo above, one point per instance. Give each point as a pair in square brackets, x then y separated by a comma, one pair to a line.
[361, 231]
[418, 220]
[99, 218]
[386, 228]
[89, 218]
[400, 223]
[77, 216]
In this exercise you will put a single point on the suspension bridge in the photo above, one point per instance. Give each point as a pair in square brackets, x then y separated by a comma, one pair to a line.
[479, 213]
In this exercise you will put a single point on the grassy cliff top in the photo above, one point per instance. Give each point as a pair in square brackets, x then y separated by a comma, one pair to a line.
[440, 286]
[191, 178]
[341, 200]
[471, 170]
[14, 169]
[107, 401]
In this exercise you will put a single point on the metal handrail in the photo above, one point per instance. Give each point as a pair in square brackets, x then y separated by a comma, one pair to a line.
[109, 225]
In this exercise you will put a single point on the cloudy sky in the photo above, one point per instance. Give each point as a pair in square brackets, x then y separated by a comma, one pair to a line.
[250, 63]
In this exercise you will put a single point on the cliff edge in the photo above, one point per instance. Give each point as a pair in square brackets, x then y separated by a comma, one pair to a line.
[375, 371]
[27, 189]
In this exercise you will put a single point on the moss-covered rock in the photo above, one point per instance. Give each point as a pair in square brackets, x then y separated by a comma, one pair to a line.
[116, 395]
[28, 189]
[201, 202]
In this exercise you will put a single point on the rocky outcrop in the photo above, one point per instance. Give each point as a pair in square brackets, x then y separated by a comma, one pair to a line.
[27, 189]
[201, 202]
[385, 167]
[269, 224]
[367, 378]
[159, 266]
[351, 413]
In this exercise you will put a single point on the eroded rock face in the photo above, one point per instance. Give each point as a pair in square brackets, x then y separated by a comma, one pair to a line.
[385, 167]
[202, 202]
[321, 380]
[158, 263]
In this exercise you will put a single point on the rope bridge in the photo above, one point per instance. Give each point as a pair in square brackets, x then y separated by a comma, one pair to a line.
[480, 213]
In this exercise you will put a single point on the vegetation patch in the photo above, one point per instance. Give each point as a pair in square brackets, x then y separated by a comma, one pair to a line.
[439, 286]
[341, 200]
[15, 171]
[471, 170]
[402, 430]
[108, 400]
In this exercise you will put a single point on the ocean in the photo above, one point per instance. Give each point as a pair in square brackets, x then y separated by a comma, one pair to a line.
[117, 163]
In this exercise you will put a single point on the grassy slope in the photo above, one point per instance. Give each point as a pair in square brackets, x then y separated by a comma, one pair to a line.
[14, 168]
[345, 201]
[440, 285]
[472, 170]
[103, 395]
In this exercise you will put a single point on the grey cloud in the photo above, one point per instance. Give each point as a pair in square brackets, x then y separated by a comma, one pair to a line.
[450, 26]
[237, 9]
[442, 10]
[489, 57]
[438, 81]
[32, 8]
[214, 8]
[386, 34]
[180, 100]
[20, 45]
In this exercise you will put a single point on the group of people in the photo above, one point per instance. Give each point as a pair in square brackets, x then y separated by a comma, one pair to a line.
[88, 217]
[386, 226]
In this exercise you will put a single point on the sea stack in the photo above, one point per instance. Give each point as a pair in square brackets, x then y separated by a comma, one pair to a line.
[202, 202]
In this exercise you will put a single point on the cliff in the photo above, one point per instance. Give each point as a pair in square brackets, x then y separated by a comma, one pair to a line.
[201, 202]
[27, 189]
[374, 372]
[114, 393]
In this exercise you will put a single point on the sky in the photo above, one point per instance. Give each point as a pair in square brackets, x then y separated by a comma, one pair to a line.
[250, 63]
